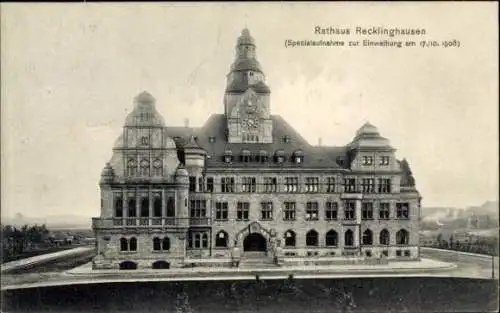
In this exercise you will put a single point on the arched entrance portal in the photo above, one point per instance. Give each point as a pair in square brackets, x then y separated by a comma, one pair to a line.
[254, 242]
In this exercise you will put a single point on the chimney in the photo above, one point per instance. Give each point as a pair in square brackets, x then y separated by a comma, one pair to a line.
[319, 141]
[186, 122]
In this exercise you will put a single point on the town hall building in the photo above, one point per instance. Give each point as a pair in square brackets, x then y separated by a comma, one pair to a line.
[247, 179]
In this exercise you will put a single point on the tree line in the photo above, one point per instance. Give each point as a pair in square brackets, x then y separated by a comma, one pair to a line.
[482, 245]
[16, 241]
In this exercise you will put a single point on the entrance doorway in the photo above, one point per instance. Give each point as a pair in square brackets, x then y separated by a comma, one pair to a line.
[254, 242]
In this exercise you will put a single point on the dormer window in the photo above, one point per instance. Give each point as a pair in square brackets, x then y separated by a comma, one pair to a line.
[228, 156]
[280, 156]
[245, 156]
[287, 139]
[298, 157]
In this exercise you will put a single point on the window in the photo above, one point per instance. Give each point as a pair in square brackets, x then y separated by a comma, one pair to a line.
[398, 252]
[245, 156]
[383, 212]
[330, 184]
[331, 209]
[291, 184]
[367, 160]
[348, 238]
[384, 237]
[289, 238]
[197, 240]
[156, 244]
[289, 211]
[367, 237]
[132, 167]
[384, 185]
[270, 184]
[331, 238]
[211, 139]
[312, 184]
[368, 185]
[402, 211]
[133, 244]
[402, 237]
[144, 140]
[248, 184]
[123, 244]
[349, 185]
[210, 184]
[262, 157]
[144, 207]
[311, 238]
[157, 168]
[221, 211]
[171, 207]
[367, 210]
[385, 253]
[311, 211]
[406, 252]
[198, 208]
[157, 206]
[242, 211]
[349, 210]
[200, 184]
[118, 204]
[368, 253]
[266, 211]
[227, 184]
[192, 184]
[221, 239]
[144, 167]
[384, 160]
[286, 139]
[132, 209]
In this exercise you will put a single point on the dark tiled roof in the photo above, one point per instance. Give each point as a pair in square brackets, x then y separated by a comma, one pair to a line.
[246, 64]
[314, 157]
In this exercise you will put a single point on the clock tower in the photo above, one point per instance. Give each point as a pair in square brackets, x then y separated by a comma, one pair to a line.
[246, 100]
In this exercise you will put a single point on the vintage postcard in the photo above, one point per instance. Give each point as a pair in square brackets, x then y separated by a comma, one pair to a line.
[244, 157]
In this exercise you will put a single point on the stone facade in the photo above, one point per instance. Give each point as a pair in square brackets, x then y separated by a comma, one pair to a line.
[171, 196]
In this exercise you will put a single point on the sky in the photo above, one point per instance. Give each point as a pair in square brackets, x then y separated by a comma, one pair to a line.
[70, 72]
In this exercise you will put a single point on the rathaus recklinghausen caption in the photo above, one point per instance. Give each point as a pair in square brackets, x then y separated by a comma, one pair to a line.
[247, 185]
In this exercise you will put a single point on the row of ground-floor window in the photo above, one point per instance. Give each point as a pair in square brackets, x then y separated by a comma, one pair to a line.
[199, 240]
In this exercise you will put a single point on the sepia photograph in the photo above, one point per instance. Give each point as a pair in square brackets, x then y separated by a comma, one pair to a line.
[249, 157]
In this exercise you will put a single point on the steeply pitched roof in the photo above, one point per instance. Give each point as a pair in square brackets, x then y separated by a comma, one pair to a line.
[215, 127]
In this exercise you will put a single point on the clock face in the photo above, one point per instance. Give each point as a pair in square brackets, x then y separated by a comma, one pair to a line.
[250, 123]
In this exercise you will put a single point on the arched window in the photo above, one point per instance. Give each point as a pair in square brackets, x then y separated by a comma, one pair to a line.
[312, 238]
[132, 167]
[144, 167]
[128, 265]
[165, 244]
[205, 241]
[402, 237]
[157, 167]
[221, 239]
[289, 238]
[132, 210]
[156, 244]
[123, 244]
[348, 238]
[197, 240]
[384, 237]
[157, 205]
[144, 207]
[171, 207]
[133, 244]
[331, 238]
[367, 237]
